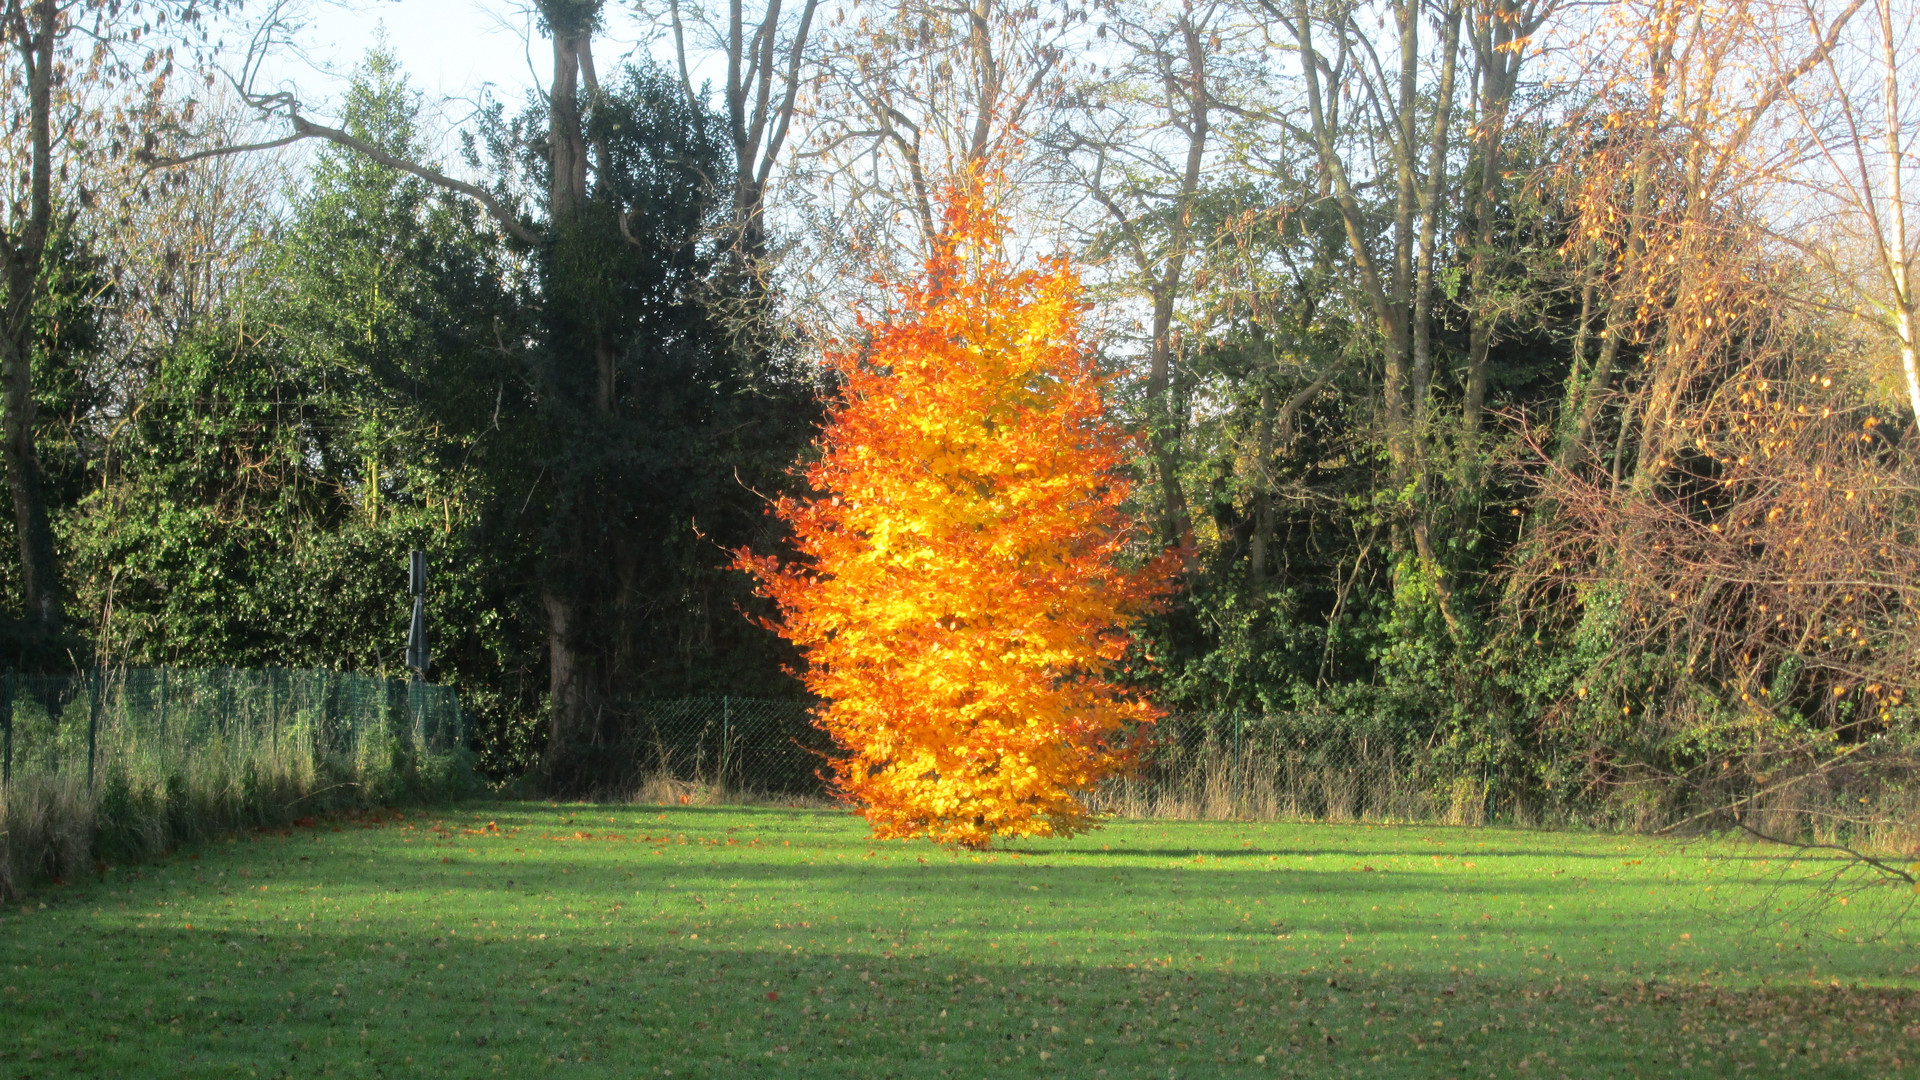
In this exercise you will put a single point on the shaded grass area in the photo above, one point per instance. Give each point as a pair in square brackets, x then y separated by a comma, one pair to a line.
[593, 941]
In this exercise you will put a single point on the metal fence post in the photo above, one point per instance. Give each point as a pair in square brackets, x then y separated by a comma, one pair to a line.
[330, 682]
[93, 723]
[225, 694]
[1239, 763]
[417, 715]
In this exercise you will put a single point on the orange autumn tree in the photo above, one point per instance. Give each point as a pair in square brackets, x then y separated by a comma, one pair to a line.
[962, 593]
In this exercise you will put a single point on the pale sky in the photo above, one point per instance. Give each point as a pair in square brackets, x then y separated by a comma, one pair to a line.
[451, 49]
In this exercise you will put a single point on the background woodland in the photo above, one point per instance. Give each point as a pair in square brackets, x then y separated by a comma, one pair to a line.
[1529, 385]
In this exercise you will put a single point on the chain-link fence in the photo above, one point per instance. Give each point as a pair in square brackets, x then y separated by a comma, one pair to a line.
[1273, 766]
[698, 749]
[1304, 766]
[129, 761]
[1287, 766]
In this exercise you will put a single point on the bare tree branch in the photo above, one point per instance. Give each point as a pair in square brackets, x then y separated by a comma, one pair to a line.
[306, 129]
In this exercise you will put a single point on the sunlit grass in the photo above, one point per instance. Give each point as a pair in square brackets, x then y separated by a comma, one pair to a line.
[530, 940]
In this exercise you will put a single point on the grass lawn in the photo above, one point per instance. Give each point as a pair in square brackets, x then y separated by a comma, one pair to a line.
[530, 940]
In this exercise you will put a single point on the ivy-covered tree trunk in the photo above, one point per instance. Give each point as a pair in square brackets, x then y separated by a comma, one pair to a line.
[575, 344]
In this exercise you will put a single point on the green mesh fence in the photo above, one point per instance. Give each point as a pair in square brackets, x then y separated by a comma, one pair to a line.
[127, 761]
[167, 722]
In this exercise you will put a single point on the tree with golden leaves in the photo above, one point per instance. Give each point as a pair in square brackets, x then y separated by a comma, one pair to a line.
[962, 590]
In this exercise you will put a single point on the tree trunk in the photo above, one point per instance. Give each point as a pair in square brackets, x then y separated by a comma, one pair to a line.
[1578, 450]
[1275, 432]
[749, 211]
[22, 254]
[1385, 292]
[1162, 428]
[567, 572]
[1430, 219]
[1397, 387]
[39, 573]
[566, 146]
[1262, 509]
[566, 686]
[1473, 400]
[1895, 252]
[1591, 395]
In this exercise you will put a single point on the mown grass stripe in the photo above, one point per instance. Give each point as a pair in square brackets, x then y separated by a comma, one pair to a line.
[530, 939]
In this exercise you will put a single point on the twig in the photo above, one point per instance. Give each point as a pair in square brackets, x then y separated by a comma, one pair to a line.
[322, 791]
[304, 128]
[1810, 845]
[1844, 754]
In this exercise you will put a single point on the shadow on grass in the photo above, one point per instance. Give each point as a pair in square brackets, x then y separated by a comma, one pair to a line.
[392, 1003]
[347, 952]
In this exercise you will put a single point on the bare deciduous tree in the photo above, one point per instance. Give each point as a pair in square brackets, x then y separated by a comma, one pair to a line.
[1859, 116]
[199, 229]
[1352, 95]
[1742, 567]
[907, 99]
[87, 83]
[1138, 143]
[768, 60]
